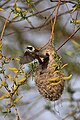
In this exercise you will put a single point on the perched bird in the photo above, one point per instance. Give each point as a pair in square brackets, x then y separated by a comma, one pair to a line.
[32, 54]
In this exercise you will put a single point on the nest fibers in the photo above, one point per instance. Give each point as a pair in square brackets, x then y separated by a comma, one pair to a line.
[50, 80]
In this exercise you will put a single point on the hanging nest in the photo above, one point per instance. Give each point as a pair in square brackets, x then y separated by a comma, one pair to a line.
[50, 88]
[50, 80]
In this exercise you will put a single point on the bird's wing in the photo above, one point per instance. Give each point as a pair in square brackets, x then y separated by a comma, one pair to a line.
[27, 57]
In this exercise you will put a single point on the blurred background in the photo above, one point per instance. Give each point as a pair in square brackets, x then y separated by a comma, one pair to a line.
[34, 28]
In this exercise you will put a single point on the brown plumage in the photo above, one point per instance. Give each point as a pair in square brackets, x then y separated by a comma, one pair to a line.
[50, 89]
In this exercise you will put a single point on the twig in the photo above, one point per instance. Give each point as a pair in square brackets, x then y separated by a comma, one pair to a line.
[45, 10]
[53, 26]
[73, 2]
[68, 39]
[5, 24]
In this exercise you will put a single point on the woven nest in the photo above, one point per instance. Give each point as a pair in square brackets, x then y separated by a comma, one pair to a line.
[48, 88]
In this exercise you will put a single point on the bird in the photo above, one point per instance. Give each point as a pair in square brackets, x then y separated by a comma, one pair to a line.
[32, 54]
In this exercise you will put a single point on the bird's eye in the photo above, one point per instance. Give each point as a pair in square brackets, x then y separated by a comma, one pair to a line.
[30, 48]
